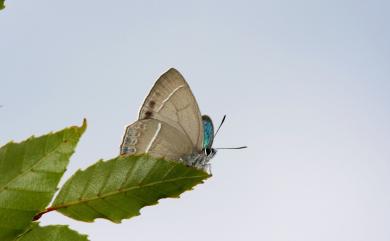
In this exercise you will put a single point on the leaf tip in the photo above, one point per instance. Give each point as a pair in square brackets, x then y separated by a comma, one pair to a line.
[84, 125]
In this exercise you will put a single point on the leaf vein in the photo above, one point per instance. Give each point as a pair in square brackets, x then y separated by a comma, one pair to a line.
[123, 190]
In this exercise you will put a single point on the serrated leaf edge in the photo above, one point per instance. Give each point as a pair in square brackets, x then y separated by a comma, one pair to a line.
[82, 129]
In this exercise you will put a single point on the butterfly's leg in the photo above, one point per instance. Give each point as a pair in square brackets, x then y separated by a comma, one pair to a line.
[207, 168]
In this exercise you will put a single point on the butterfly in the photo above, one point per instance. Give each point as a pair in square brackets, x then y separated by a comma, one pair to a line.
[170, 125]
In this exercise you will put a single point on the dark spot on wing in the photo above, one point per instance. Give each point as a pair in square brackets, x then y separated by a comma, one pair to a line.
[152, 104]
[148, 114]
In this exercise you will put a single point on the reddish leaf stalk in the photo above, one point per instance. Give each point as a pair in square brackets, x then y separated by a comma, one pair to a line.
[39, 215]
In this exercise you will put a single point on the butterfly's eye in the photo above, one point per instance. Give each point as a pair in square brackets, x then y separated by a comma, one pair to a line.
[208, 151]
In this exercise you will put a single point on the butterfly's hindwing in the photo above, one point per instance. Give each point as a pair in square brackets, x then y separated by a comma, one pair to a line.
[156, 138]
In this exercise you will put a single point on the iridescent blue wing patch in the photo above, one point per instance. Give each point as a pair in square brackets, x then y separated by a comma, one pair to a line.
[208, 132]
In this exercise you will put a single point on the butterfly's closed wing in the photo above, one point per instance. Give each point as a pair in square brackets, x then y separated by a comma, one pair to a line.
[157, 138]
[172, 102]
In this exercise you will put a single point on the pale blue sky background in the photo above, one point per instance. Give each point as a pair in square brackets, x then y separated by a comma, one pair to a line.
[305, 85]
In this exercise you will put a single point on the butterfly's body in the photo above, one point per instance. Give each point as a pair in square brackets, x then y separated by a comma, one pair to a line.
[170, 125]
[199, 160]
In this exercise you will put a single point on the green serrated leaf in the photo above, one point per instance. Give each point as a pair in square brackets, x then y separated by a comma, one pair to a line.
[52, 233]
[2, 6]
[119, 188]
[29, 175]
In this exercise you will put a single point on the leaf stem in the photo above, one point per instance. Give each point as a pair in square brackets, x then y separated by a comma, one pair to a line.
[39, 215]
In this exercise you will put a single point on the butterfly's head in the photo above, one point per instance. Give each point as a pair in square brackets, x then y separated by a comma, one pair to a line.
[209, 152]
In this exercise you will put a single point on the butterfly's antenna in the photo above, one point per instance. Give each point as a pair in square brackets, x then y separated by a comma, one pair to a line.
[223, 120]
[240, 147]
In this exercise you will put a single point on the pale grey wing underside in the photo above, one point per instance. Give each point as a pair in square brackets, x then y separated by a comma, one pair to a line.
[156, 138]
[172, 102]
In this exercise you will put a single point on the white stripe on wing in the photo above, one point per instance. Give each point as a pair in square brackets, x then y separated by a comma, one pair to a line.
[169, 96]
[154, 137]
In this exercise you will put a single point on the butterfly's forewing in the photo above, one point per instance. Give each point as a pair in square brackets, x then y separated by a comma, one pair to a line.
[156, 138]
[208, 131]
[172, 102]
